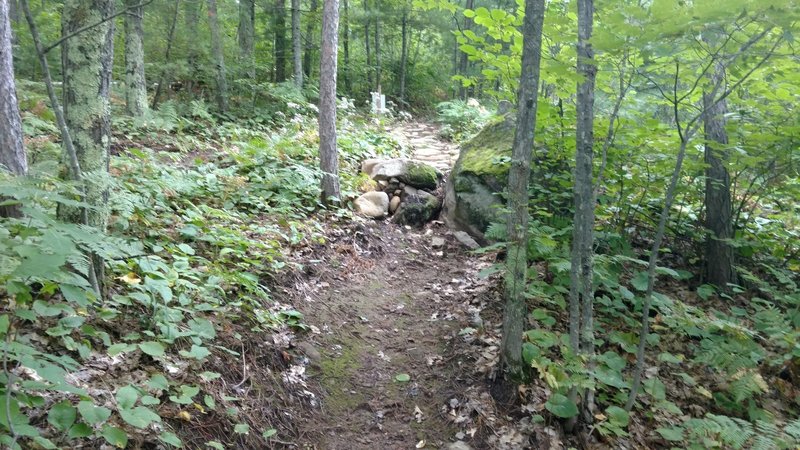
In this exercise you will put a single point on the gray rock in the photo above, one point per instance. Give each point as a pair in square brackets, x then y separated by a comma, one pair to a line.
[394, 204]
[372, 204]
[417, 210]
[413, 173]
[368, 165]
[503, 106]
[308, 349]
[410, 190]
[437, 242]
[466, 240]
[457, 445]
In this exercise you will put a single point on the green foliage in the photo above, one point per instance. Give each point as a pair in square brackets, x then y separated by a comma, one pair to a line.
[461, 119]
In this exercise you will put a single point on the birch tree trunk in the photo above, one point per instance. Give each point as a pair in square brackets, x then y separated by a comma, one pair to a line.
[297, 45]
[279, 26]
[328, 153]
[581, 296]
[135, 84]
[219, 58]
[246, 32]
[12, 151]
[719, 222]
[518, 176]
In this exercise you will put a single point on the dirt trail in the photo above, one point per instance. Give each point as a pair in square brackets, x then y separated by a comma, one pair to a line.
[388, 303]
[422, 139]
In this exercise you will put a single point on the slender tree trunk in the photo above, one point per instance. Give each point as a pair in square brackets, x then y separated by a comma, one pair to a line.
[12, 150]
[581, 296]
[280, 40]
[403, 55]
[377, 46]
[135, 85]
[518, 176]
[167, 54]
[310, 41]
[13, 15]
[367, 45]
[219, 58]
[246, 32]
[95, 272]
[88, 59]
[192, 22]
[297, 45]
[328, 153]
[346, 47]
[463, 62]
[719, 252]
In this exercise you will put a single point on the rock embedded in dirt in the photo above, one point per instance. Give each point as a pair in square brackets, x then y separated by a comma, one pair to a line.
[373, 204]
[417, 210]
[457, 445]
[368, 165]
[308, 349]
[394, 203]
[466, 240]
[437, 242]
[410, 172]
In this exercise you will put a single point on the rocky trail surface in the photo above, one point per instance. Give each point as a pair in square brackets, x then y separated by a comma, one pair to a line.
[422, 139]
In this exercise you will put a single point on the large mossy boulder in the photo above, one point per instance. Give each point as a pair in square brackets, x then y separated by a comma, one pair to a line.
[472, 199]
[412, 173]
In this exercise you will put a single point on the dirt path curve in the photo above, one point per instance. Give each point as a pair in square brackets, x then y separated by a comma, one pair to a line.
[389, 303]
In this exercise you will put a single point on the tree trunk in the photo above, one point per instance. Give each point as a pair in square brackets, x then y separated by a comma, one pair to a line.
[328, 153]
[518, 176]
[167, 53]
[297, 45]
[135, 85]
[219, 58]
[192, 21]
[13, 15]
[367, 48]
[403, 55]
[377, 46]
[719, 252]
[463, 62]
[246, 32]
[346, 46]
[280, 41]
[87, 59]
[12, 151]
[310, 41]
[581, 296]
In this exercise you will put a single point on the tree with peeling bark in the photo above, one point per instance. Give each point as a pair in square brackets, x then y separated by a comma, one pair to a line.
[135, 85]
[518, 176]
[328, 151]
[219, 57]
[12, 151]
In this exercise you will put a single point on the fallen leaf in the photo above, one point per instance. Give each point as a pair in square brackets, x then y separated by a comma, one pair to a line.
[421, 444]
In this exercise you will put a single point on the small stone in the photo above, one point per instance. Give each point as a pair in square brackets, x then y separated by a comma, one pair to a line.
[398, 192]
[437, 242]
[410, 190]
[394, 181]
[457, 445]
[394, 204]
[308, 349]
[372, 204]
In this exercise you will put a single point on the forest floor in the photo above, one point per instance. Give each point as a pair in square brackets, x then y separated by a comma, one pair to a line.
[398, 351]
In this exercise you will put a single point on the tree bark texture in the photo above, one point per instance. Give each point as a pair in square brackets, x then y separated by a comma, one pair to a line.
[297, 45]
[219, 57]
[135, 85]
[328, 152]
[279, 27]
[518, 176]
[367, 47]
[719, 253]
[246, 33]
[192, 20]
[581, 298]
[12, 151]
[88, 60]
[308, 54]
